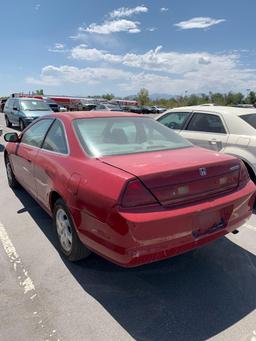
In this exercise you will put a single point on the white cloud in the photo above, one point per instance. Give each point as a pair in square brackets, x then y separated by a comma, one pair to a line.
[127, 12]
[199, 22]
[113, 26]
[54, 76]
[58, 47]
[151, 29]
[221, 78]
[37, 7]
[159, 71]
[156, 60]
[164, 9]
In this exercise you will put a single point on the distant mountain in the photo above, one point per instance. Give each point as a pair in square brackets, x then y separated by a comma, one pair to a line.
[158, 96]
[153, 97]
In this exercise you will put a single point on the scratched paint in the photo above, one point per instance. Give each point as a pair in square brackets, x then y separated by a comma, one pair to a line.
[25, 281]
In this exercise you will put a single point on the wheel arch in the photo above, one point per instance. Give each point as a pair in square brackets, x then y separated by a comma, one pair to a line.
[54, 196]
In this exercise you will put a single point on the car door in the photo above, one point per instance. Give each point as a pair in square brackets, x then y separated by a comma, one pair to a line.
[24, 158]
[175, 120]
[206, 130]
[50, 165]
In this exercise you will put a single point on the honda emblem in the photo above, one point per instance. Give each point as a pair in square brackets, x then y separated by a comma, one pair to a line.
[202, 171]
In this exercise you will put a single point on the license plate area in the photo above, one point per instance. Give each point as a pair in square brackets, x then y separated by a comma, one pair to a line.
[211, 222]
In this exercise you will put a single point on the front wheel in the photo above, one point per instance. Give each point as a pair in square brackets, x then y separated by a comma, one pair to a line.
[21, 125]
[69, 242]
[12, 182]
[7, 122]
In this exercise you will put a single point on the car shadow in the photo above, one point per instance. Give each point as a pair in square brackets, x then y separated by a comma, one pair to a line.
[189, 297]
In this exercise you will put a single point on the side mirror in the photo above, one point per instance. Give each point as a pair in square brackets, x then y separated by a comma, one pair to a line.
[11, 137]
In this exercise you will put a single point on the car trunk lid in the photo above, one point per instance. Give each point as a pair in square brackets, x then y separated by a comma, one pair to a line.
[183, 175]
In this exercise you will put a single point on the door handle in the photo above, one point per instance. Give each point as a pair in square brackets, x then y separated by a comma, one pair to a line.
[28, 160]
[213, 141]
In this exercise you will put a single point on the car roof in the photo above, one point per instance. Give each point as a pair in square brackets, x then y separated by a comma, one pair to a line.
[217, 109]
[71, 115]
[28, 99]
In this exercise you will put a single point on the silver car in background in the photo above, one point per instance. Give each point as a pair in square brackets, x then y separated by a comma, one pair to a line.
[229, 130]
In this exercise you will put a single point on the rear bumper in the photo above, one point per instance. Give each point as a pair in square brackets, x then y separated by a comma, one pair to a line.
[135, 238]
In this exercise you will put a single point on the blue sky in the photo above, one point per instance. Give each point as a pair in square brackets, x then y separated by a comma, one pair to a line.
[94, 47]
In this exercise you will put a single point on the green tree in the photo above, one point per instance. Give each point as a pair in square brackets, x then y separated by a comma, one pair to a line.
[108, 96]
[40, 92]
[251, 98]
[143, 96]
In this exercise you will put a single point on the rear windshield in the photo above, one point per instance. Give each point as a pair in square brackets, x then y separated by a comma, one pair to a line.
[125, 135]
[250, 119]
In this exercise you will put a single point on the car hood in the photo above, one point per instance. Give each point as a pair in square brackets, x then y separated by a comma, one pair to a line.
[38, 113]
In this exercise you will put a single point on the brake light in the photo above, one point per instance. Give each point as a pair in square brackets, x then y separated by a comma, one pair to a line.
[244, 175]
[136, 194]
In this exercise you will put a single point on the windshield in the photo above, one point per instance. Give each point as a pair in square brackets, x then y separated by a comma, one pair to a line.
[250, 119]
[34, 105]
[125, 135]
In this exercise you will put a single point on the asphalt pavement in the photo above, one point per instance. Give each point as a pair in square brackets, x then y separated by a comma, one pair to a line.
[208, 294]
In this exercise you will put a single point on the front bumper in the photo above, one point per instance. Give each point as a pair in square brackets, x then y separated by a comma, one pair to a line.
[28, 120]
[135, 238]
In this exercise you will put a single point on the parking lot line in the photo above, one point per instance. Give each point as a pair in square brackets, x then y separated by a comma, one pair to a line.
[25, 281]
[250, 227]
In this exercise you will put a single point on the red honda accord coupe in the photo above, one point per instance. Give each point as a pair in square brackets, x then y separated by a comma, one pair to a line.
[126, 187]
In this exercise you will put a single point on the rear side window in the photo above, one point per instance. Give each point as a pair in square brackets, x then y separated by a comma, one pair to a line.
[174, 120]
[250, 119]
[206, 123]
[34, 136]
[55, 140]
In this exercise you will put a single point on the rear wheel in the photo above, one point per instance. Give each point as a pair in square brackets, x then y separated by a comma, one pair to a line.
[7, 122]
[12, 182]
[21, 125]
[69, 242]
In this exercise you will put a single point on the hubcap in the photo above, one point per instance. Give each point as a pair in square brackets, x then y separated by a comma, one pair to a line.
[9, 171]
[64, 230]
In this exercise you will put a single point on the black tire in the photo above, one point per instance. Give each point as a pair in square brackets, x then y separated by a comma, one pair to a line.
[12, 182]
[77, 249]
[22, 125]
[7, 122]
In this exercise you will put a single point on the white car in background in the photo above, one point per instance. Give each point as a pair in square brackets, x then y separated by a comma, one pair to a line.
[229, 130]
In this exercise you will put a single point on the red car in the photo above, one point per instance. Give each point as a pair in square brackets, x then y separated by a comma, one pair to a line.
[126, 187]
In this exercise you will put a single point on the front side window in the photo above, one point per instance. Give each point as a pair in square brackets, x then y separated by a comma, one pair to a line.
[16, 104]
[125, 135]
[34, 136]
[174, 120]
[55, 140]
[34, 105]
[206, 123]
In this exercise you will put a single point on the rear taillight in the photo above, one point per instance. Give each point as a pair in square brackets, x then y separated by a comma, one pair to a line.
[136, 194]
[244, 175]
